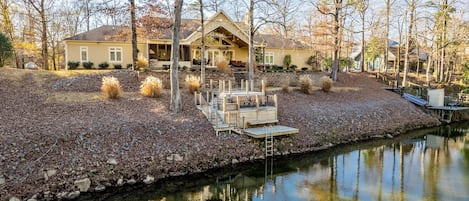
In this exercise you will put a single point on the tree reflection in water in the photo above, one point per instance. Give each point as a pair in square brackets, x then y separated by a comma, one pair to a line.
[431, 165]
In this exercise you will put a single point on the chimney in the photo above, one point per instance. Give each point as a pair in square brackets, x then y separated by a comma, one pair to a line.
[246, 18]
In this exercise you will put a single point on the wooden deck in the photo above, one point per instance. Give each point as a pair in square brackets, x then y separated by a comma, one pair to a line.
[445, 113]
[277, 130]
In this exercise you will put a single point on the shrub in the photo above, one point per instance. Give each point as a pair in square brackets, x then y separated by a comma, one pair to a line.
[223, 66]
[141, 63]
[111, 87]
[128, 66]
[287, 61]
[117, 66]
[152, 87]
[103, 65]
[306, 84]
[193, 83]
[88, 64]
[73, 64]
[293, 67]
[326, 83]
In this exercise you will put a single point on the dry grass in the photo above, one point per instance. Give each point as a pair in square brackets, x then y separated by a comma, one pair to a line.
[141, 64]
[326, 83]
[111, 87]
[73, 97]
[223, 66]
[193, 83]
[152, 87]
[306, 84]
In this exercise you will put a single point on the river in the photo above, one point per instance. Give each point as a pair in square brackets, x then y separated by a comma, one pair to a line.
[430, 164]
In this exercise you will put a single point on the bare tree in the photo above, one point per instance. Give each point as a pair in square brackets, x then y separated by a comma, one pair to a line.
[333, 10]
[40, 6]
[386, 37]
[134, 33]
[202, 43]
[176, 103]
[283, 15]
[251, 40]
[412, 7]
[361, 6]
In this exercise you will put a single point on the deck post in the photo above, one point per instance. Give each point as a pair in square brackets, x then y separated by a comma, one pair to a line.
[242, 84]
[247, 87]
[252, 85]
[257, 107]
[195, 98]
[224, 88]
[208, 95]
[275, 104]
[229, 87]
[263, 87]
[200, 98]
[224, 108]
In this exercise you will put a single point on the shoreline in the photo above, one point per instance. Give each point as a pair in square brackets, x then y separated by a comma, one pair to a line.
[55, 147]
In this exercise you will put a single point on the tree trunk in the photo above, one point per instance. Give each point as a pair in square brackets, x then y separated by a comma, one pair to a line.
[251, 41]
[407, 43]
[335, 54]
[443, 41]
[134, 34]
[386, 40]
[176, 103]
[429, 64]
[362, 55]
[202, 48]
[45, 54]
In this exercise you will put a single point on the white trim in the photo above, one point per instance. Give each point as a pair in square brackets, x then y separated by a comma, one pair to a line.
[66, 55]
[115, 50]
[81, 54]
[268, 54]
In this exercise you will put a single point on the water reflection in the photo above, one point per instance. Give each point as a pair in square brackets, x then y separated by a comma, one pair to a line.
[433, 165]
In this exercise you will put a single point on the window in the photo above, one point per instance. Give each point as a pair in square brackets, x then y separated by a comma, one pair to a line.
[83, 53]
[163, 52]
[115, 54]
[269, 58]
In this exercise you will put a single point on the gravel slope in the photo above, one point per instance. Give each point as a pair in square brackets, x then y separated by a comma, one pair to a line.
[55, 130]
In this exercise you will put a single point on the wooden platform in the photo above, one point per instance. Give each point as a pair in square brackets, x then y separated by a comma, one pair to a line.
[277, 130]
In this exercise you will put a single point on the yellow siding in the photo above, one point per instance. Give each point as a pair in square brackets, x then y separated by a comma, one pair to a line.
[299, 56]
[98, 52]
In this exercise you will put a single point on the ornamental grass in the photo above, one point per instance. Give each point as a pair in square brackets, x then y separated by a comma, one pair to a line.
[111, 87]
[152, 87]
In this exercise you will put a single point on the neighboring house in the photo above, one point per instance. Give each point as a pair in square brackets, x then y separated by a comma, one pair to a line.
[377, 63]
[226, 41]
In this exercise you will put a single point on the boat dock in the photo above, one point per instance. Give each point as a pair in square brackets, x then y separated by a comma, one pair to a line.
[243, 111]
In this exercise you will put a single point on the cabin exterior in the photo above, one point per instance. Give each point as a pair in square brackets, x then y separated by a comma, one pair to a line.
[226, 42]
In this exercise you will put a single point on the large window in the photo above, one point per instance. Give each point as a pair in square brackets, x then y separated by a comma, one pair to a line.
[115, 54]
[269, 58]
[83, 53]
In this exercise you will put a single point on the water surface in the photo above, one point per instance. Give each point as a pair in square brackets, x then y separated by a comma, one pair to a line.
[430, 164]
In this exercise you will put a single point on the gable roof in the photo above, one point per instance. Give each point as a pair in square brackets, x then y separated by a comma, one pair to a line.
[188, 31]
[103, 33]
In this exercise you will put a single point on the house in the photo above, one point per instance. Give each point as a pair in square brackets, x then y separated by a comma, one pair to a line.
[377, 63]
[226, 41]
